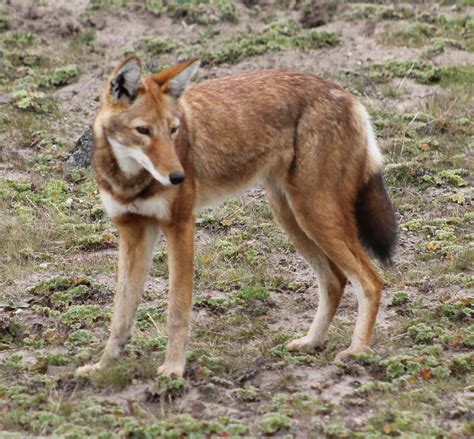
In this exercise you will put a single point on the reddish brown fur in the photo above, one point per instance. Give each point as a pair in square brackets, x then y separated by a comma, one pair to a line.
[303, 135]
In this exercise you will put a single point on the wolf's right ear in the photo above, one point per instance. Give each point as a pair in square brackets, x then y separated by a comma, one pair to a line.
[126, 80]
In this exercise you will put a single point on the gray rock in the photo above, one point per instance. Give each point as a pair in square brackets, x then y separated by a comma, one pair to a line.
[81, 155]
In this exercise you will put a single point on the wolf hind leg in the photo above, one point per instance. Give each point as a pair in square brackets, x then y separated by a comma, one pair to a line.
[334, 231]
[331, 281]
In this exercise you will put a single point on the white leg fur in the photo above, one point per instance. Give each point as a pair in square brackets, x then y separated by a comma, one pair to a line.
[317, 332]
[359, 338]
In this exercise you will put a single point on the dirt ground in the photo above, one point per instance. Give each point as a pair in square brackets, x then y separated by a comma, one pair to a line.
[410, 63]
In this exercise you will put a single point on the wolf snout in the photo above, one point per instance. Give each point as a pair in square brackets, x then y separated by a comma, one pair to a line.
[177, 177]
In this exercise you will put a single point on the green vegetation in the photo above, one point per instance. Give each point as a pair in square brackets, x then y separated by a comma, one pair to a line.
[203, 12]
[273, 422]
[420, 71]
[34, 101]
[438, 31]
[158, 45]
[4, 20]
[276, 36]
[377, 12]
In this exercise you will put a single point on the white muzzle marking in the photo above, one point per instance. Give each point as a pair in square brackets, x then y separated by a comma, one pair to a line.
[131, 160]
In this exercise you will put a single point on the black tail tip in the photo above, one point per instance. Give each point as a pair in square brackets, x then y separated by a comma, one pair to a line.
[376, 220]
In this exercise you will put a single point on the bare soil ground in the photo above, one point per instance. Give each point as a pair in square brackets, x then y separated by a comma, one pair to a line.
[410, 64]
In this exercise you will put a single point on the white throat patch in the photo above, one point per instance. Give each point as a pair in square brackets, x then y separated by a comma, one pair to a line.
[133, 160]
[155, 207]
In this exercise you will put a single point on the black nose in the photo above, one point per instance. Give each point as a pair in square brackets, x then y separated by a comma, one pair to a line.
[176, 177]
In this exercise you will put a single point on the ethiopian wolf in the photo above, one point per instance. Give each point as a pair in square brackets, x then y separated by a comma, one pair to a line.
[164, 150]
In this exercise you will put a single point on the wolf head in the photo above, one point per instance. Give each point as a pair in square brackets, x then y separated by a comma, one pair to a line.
[140, 118]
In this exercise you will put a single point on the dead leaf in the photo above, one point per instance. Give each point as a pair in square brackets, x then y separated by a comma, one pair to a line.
[433, 245]
[425, 373]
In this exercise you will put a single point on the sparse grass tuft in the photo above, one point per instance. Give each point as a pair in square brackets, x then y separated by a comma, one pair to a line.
[438, 32]
[273, 422]
[158, 45]
[420, 71]
[276, 36]
[4, 20]
[377, 12]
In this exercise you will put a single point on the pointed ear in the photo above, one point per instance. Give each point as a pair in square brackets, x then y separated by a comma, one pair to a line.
[126, 80]
[175, 79]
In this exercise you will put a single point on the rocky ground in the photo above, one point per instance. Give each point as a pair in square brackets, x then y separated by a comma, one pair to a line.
[410, 64]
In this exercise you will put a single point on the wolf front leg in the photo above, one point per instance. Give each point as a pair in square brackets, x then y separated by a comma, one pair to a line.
[138, 237]
[180, 237]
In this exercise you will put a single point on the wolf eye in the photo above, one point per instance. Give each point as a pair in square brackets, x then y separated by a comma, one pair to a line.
[143, 130]
[174, 129]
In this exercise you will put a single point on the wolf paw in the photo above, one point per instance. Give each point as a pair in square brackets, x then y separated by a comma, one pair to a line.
[173, 370]
[87, 370]
[303, 344]
[352, 352]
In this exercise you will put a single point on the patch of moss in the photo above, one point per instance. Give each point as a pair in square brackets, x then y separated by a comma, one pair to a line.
[43, 361]
[216, 304]
[399, 298]
[438, 31]
[377, 12]
[457, 311]
[101, 4]
[18, 40]
[247, 393]
[452, 177]
[273, 422]
[399, 423]
[82, 316]
[276, 36]
[167, 387]
[34, 101]
[249, 295]
[203, 12]
[80, 337]
[438, 44]
[148, 316]
[96, 241]
[158, 45]
[61, 76]
[59, 292]
[185, 425]
[420, 71]
[21, 58]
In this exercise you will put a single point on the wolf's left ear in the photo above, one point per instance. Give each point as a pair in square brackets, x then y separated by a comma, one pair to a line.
[175, 79]
[126, 80]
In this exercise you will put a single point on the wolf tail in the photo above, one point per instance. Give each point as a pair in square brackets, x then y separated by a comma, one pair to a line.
[374, 213]
[376, 220]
